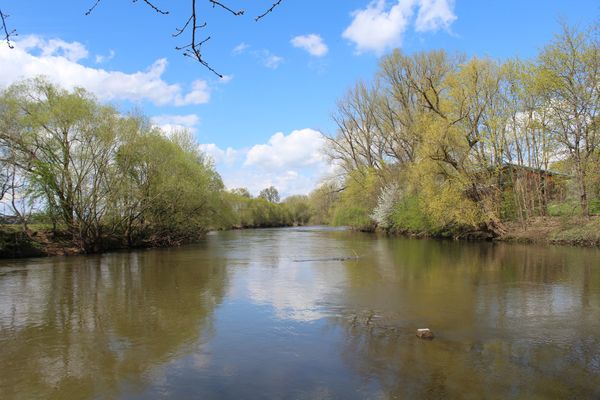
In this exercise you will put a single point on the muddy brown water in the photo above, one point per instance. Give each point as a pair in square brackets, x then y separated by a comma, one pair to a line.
[295, 314]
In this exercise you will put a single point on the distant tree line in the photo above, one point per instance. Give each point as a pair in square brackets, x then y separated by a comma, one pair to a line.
[440, 142]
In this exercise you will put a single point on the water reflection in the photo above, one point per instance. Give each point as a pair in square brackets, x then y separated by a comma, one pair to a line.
[274, 313]
[511, 321]
[81, 327]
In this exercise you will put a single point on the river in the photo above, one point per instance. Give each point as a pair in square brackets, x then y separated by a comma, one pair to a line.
[303, 313]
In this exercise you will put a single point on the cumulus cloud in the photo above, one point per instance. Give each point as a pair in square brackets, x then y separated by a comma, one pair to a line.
[173, 123]
[379, 27]
[59, 61]
[199, 94]
[312, 43]
[434, 15]
[299, 148]
[227, 156]
[72, 51]
[292, 163]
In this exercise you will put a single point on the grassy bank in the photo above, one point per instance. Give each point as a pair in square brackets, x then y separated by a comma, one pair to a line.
[556, 230]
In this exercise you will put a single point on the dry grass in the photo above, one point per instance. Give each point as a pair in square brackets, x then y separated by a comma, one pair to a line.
[557, 230]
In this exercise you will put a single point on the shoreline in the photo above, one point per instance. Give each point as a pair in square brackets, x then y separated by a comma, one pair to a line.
[552, 231]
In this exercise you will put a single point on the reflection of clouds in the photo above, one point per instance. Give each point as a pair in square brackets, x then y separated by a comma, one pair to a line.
[531, 301]
[296, 291]
[543, 300]
[269, 276]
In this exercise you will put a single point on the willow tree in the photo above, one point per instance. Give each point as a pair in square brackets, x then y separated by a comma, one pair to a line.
[105, 177]
[63, 143]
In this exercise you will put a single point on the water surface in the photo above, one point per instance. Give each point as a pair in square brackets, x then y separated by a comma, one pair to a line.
[292, 314]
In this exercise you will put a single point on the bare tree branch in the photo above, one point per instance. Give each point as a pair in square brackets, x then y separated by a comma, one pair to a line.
[236, 13]
[192, 49]
[270, 10]
[155, 8]
[7, 33]
[89, 11]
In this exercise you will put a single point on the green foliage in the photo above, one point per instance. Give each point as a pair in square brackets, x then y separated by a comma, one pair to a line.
[595, 207]
[354, 216]
[258, 212]
[567, 208]
[477, 142]
[270, 194]
[321, 202]
[298, 209]
[358, 200]
[409, 217]
[107, 178]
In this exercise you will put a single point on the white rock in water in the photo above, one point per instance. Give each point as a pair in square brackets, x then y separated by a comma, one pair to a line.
[424, 333]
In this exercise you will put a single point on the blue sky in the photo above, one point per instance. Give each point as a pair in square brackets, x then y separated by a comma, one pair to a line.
[283, 74]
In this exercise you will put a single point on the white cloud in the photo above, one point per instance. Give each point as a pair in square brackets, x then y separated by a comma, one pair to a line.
[225, 78]
[72, 51]
[299, 148]
[199, 94]
[379, 27]
[58, 60]
[312, 43]
[268, 59]
[104, 58]
[172, 123]
[220, 156]
[294, 164]
[240, 48]
[264, 56]
[434, 15]
[187, 120]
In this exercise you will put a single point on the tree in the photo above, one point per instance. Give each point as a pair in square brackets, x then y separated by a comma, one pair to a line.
[441, 142]
[571, 72]
[242, 192]
[270, 194]
[298, 208]
[63, 142]
[103, 176]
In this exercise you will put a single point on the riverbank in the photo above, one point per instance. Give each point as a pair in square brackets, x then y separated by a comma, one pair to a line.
[549, 230]
[556, 230]
[43, 242]
[542, 230]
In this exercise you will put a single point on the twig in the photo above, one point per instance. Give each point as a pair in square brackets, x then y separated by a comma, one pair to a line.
[270, 10]
[155, 8]
[88, 12]
[7, 33]
[236, 13]
[193, 50]
[179, 31]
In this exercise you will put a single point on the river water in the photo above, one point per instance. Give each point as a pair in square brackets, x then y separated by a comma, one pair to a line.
[293, 314]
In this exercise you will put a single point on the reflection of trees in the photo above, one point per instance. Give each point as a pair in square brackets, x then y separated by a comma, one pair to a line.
[511, 321]
[80, 327]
